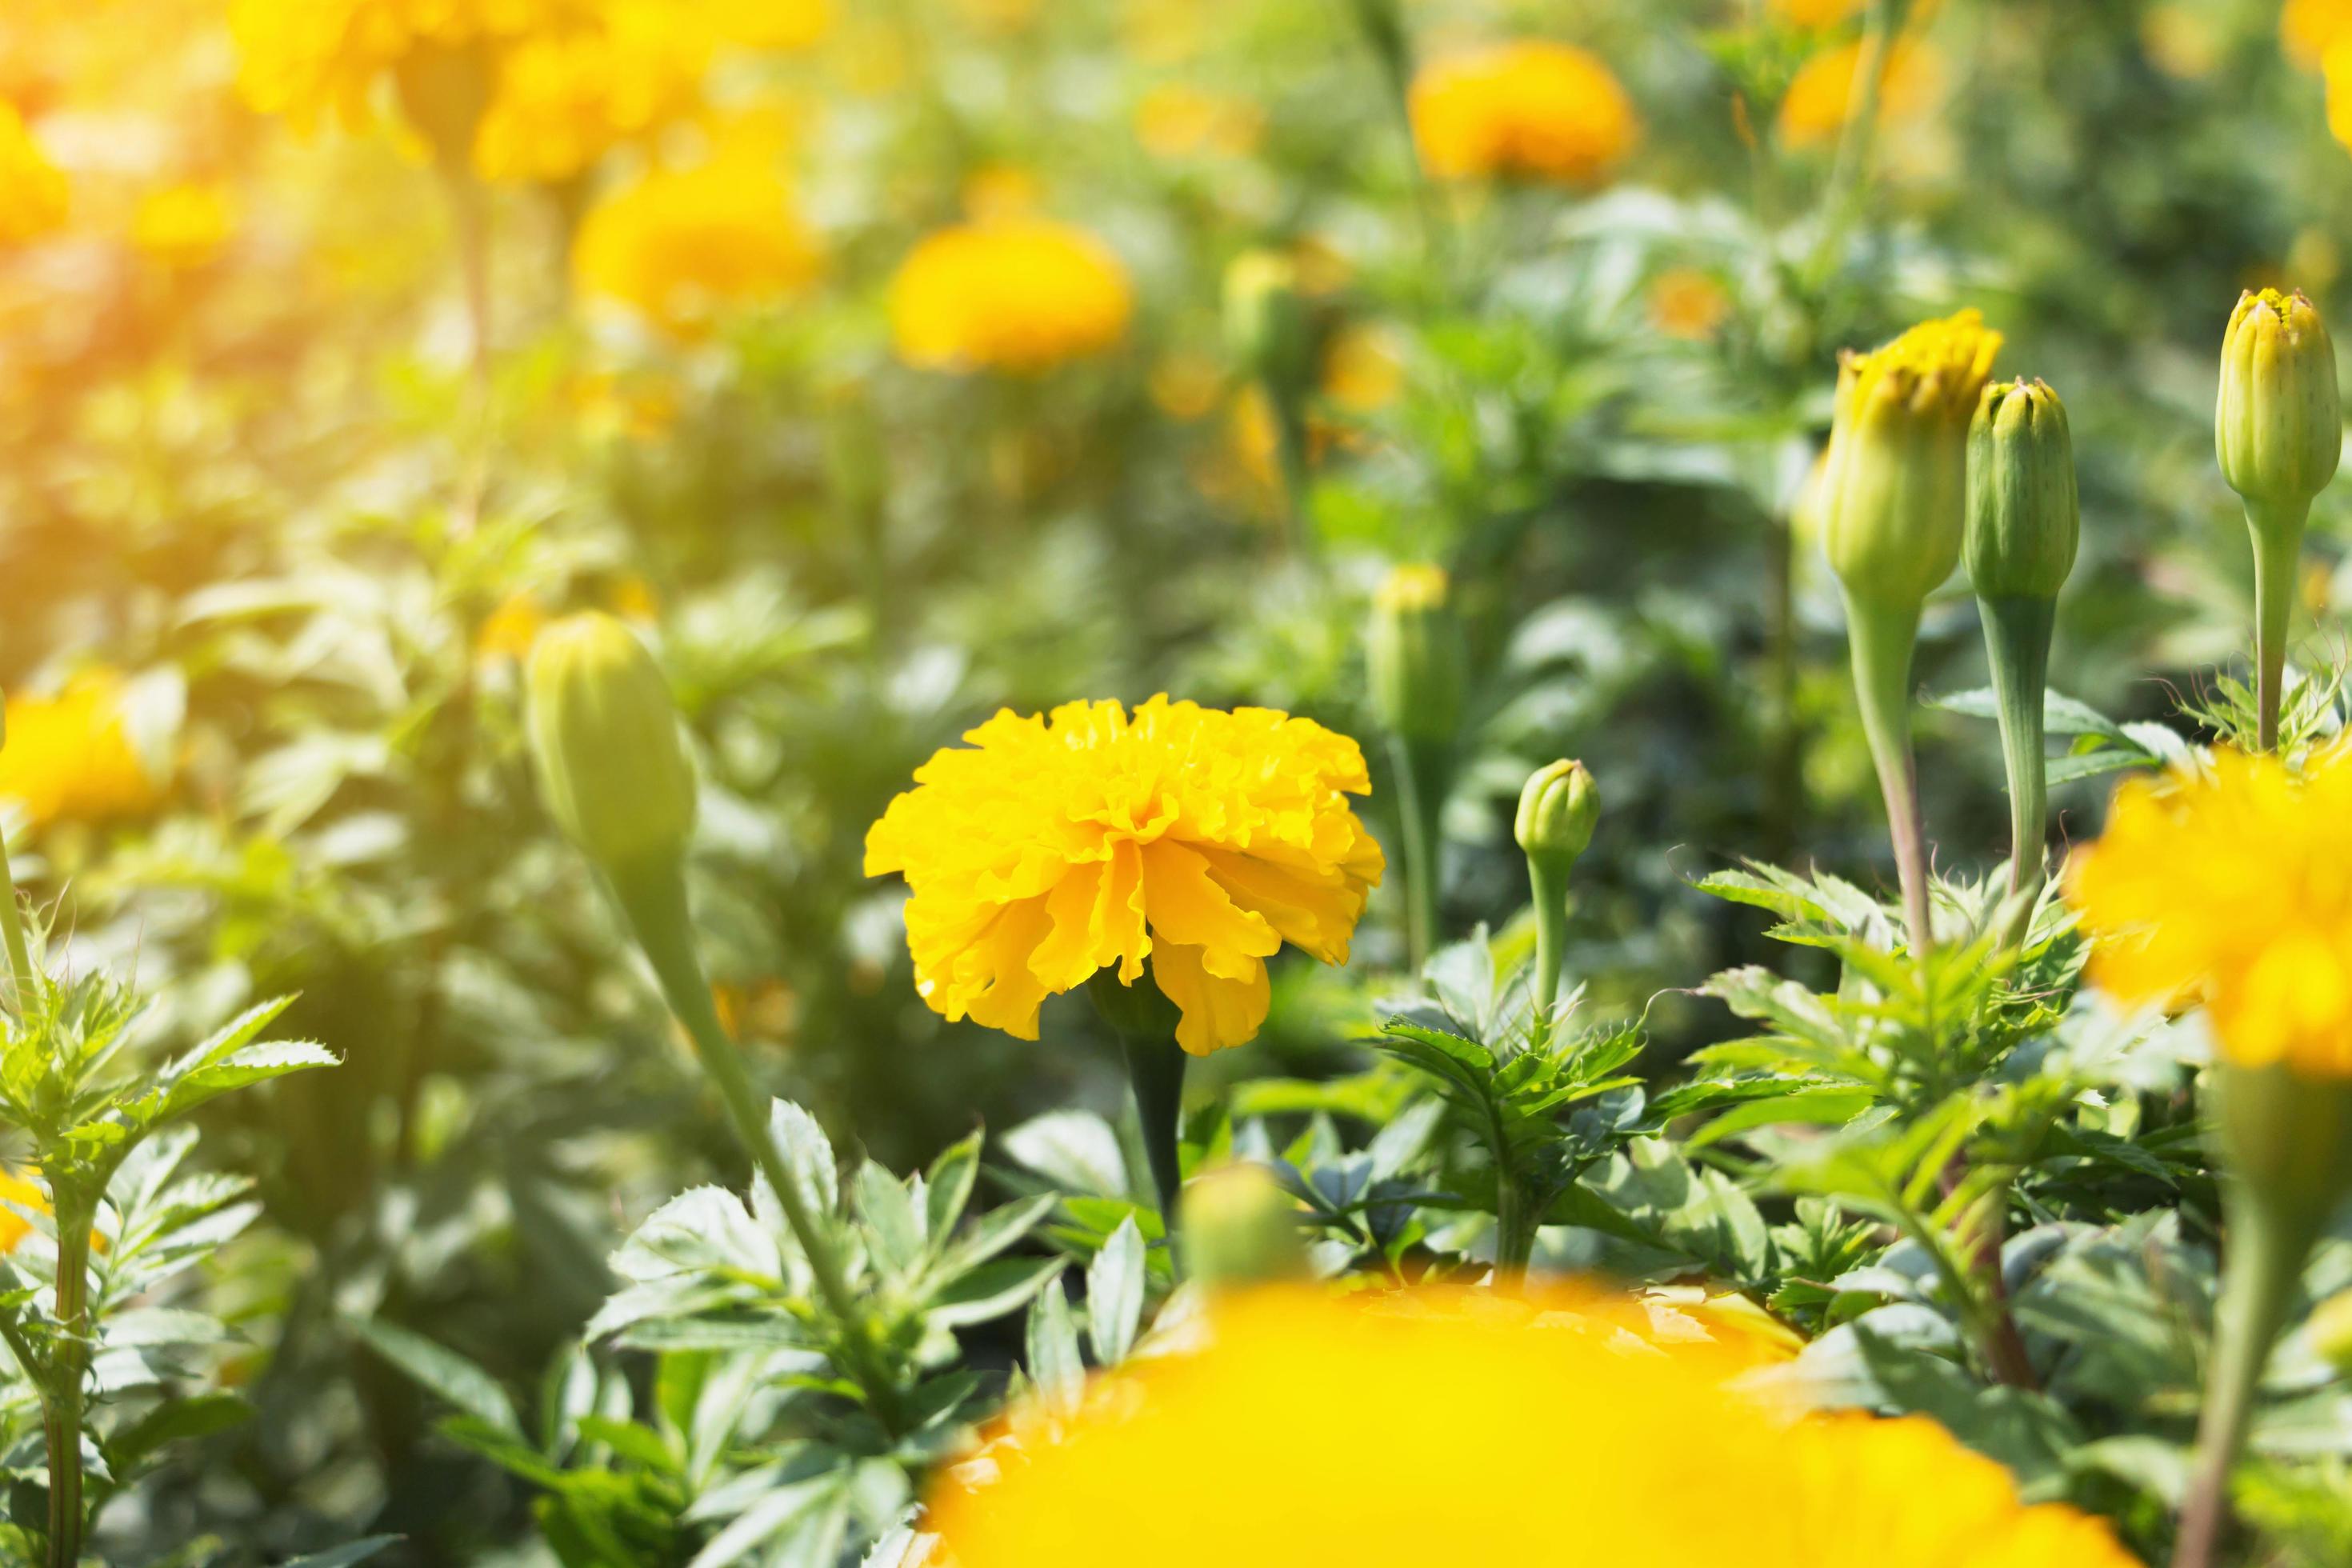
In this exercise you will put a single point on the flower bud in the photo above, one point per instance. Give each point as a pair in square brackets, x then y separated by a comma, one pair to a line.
[1415, 654]
[604, 737]
[2331, 1331]
[1269, 328]
[1240, 1228]
[2024, 520]
[2277, 425]
[1556, 810]
[1894, 489]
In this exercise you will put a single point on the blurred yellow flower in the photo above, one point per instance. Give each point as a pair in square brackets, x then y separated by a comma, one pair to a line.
[1688, 303]
[24, 1193]
[2232, 889]
[509, 631]
[1177, 120]
[1814, 111]
[1363, 370]
[1165, 32]
[1014, 295]
[33, 193]
[184, 226]
[1088, 839]
[1530, 110]
[682, 246]
[2337, 70]
[1816, 14]
[1203, 1455]
[69, 758]
[786, 25]
[2181, 41]
[565, 98]
[2309, 28]
[317, 60]
[1001, 190]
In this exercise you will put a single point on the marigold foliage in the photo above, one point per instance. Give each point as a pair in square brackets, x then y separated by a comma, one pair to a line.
[70, 757]
[32, 190]
[682, 246]
[1272, 1445]
[1058, 846]
[1528, 109]
[2231, 888]
[1016, 294]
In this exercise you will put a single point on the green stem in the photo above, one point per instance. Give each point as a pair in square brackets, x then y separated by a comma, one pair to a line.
[1155, 1071]
[1881, 638]
[24, 979]
[2277, 533]
[1419, 767]
[1516, 1224]
[654, 899]
[61, 1401]
[1548, 875]
[1857, 139]
[1784, 795]
[2017, 644]
[1296, 470]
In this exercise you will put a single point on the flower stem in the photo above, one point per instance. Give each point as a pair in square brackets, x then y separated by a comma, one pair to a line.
[2277, 533]
[1420, 768]
[1548, 875]
[1155, 1071]
[24, 979]
[2017, 644]
[654, 899]
[1881, 638]
[61, 1400]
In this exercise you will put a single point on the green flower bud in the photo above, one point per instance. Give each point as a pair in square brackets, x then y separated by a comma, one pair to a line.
[1240, 1228]
[1557, 811]
[1894, 489]
[1416, 656]
[2024, 520]
[1269, 328]
[2331, 1331]
[2277, 425]
[604, 737]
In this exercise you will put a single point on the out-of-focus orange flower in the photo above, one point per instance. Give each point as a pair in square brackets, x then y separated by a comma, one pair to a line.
[2309, 28]
[2181, 41]
[184, 226]
[1528, 110]
[1177, 120]
[1688, 303]
[1363, 368]
[1020, 295]
[34, 196]
[70, 757]
[1815, 110]
[999, 190]
[565, 98]
[681, 246]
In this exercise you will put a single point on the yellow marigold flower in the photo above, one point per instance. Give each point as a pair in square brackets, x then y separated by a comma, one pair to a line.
[1530, 109]
[2232, 889]
[25, 1194]
[1688, 303]
[69, 758]
[1176, 120]
[1814, 111]
[184, 226]
[317, 60]
[1014, 295]
[509, 631]
[682, 246]
[32, 190]
[566, 99]
[785, 25]
[2337, 69]
[1058, 846]
[2309, 28]
[1203, 1455]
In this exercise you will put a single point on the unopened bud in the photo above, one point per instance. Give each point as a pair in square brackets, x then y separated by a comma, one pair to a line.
[1416, 654]
[2024, 520]
[604, 737]
[1557, 811]
[2277, 426]
[1239, 1227]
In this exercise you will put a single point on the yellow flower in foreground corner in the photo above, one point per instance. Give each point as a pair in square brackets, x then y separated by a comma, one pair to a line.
[70, 757]
[1274, 1445]
[2232, 888]
[1532, 110]
[1085, 840]
[33, 193]
[682, 246]
[1014, 294]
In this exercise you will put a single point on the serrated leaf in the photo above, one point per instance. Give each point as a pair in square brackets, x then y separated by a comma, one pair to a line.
[443, 1370]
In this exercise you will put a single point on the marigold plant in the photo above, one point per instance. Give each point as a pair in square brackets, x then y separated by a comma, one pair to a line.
[1014, 294]
[1530, 110]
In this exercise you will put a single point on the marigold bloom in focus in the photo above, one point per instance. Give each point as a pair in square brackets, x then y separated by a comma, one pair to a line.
[2232, 889]
[1816, 109]
[1530, 110]
[32, 192]
[1276, 1445]
[1014, 294]
[682, 246]
[566, 99]
[69, 758]
[1057, 846]
[184, 226]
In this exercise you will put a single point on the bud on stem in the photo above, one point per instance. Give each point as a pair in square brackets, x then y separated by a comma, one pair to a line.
[1240, 1228]
[1416, 659]
[1557, 812]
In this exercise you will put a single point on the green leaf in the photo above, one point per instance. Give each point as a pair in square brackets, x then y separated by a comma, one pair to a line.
[1054, 1363]
[2061, 715]
[444, 1371]
[344, 1556]
[948, 1189]
[1077, 1151]
[175, 1421]
[1115, 1282]
[894, 1227]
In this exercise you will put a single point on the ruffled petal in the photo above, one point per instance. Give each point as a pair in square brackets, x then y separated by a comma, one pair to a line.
[1186, 906]
[1218, 1012]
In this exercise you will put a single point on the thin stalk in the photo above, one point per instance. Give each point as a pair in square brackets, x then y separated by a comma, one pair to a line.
[654, 899]
[1548, 877]
[61, 1400]
[2017, 645]
[1857, 139]
[2278, 562]
[1294, 464]
[1881, 638]
[1419, 767]
[1155, 1071]
[1514, 1232]
[1784, 796]
[24, 979]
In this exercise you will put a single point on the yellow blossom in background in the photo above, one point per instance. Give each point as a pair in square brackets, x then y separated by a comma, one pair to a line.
[566, 99]
[1014, 295]
[184, 226]
[784, 26]
[1816, 14]
[1688, 303]
[1177, 120]
[2309, 28]
[25, 1193]
[2232, 889]
[317, 60]
[509, 631]
[1165, 32]
[2181, 41]
[2337, 71]
[682, 246]
[69, 758]
[995, 192]
[1204, 1455]
[1363, 370]
[1057, 846]
[1186, 383]
[1528, 110]
[1814, 111]
[32, 192]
